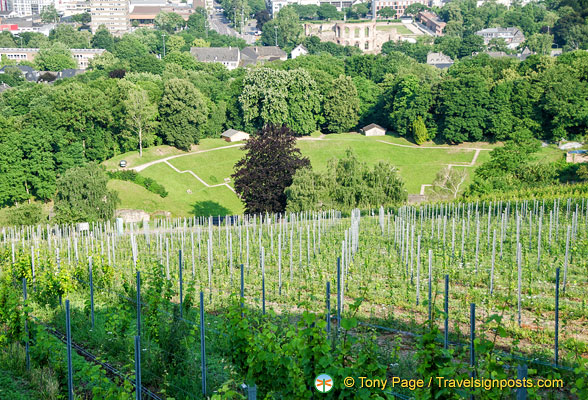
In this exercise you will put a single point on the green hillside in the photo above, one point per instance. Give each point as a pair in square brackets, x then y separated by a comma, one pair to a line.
[213, 163]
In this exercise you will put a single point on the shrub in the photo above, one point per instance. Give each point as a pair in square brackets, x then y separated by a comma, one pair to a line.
[420, 131]
[25, 214]
[147, 183]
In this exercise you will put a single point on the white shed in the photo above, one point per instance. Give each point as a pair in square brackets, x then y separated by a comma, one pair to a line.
[373, 130]
[233, 135]
[299, 50]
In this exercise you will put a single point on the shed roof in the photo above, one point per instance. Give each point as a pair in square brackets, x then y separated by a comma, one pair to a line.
[218, 54]
[372, 126]
[231, 132]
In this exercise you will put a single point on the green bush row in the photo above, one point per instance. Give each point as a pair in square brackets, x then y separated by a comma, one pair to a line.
[147, 183]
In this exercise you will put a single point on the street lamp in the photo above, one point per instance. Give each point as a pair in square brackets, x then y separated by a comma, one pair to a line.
[276, 34]
[163, 38]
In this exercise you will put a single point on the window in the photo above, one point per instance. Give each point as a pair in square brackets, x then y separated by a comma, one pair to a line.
[367, 31]
[356, 32]
[367, 45]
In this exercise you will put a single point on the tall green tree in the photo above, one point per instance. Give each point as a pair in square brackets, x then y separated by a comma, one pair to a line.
[70, 37]
[277, 97]
[54, 58]
[7, 39]
[182, 113]
[39, 163]
[82, 195]
[346, 184]
[267, 168]
[462, 104]
[408, 100]
[419, 131]
[83, 18]
[169, 21]
[539, 43]
[103, 39]
[341, 106]
[141, 116]
[49, 14]
[285, 28]
[12, 170]
[387, 12]
[328, 11]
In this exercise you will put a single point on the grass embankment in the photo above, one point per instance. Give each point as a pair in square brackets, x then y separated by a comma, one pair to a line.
[188, 196]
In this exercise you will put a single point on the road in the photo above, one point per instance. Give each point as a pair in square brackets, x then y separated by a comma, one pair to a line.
[219, 23]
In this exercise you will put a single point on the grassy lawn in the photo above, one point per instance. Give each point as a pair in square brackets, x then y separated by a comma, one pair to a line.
[158, 152]
[212, 167]
[400, 28]
[201, 201]
[149, 154]
[417, 166]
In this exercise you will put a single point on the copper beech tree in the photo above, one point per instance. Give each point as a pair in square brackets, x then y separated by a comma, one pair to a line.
[267, 169]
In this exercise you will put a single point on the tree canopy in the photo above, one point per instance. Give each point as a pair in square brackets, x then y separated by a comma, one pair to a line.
[82, 195]
[267, 168]
[346, 184]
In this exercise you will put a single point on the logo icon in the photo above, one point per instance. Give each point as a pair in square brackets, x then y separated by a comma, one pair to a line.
[323, 383]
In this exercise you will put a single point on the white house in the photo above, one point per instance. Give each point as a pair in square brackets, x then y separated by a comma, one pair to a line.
[299, 50]
[230, 57]
[233, 135]
[373, 130]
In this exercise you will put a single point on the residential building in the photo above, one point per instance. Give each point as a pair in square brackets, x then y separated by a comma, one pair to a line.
[113, 14]
[432, 22]
[298, 51]
[512, 36]
[556, 52]
[24, 8]
[82, 56]
[439, 60]
[230, 57]
[233, 135]
[373, 130]
[261, 54]
[67, 8]
[12, 28]
[398, 5]
[28, 72]
[144, 15]
[276, 5]
[25, 24]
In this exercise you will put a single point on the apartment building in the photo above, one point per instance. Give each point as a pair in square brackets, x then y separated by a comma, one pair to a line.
[82, 56]
[113, 14]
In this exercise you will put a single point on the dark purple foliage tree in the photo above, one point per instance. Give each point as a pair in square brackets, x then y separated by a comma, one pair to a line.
[267, 169]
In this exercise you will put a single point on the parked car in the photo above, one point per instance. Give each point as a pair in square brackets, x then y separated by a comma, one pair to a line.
[123, 163]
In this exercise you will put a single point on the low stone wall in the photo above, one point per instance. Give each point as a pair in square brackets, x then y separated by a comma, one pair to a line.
[129, 216]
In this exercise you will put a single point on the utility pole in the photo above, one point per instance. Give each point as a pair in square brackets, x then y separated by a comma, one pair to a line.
[163, 38]
[276, 34]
